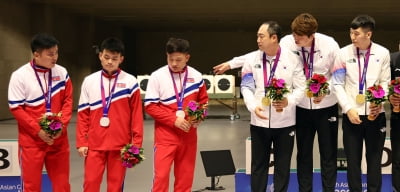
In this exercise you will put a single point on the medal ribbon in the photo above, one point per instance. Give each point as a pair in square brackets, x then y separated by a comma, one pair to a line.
[106, 104]
[267, 82]
[46, 95]
[308, 67]
[361, 77]
[179, 98]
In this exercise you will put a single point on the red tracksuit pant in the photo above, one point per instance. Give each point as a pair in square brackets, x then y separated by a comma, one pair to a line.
[95, 163]
[183, 156]
[56, 161]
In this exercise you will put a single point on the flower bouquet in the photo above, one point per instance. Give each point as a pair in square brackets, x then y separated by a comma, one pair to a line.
[131, 155]
[394, 89]
[317, 86]
[51, 123]
[196, 112]
[276, 90]
[375, 95]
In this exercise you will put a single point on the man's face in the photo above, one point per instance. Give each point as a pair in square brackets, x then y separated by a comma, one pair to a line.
[110, 61]
[303, 40]
[177, 61]
[264, 39]
[46, 58]
[360, 37]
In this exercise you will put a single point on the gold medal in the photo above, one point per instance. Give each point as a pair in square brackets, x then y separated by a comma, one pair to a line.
[360, 99]
[266, 101]
[309, 94]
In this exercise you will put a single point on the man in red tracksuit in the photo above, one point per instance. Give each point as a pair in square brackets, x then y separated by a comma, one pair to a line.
[169, 90]
[109, 117]
[37, 88]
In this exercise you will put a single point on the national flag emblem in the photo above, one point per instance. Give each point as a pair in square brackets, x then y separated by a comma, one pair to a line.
[190, 80]
[55, 78]
[121, 85]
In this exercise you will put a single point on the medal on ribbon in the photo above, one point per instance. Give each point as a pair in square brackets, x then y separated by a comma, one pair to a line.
[360, 99]
[266, 101]
[105, 120]
[47, 93]
[179, 97]
[180, 113]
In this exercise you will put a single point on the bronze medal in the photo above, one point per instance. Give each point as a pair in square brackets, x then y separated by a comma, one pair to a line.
[360, 99]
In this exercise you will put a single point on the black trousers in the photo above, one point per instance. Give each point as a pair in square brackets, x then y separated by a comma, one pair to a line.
[373, 133]
[395, 142]
[325, 123]
[261, 140]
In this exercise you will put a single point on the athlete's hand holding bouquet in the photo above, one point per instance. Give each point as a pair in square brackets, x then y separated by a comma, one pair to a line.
[376, 96]
[394, 94]
[276, 92]
[51, 124]
[317, 87]
[196, 112]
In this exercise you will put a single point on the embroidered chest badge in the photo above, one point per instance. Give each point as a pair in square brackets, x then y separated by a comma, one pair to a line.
[190, 80]
[55, 78]
[121, 85]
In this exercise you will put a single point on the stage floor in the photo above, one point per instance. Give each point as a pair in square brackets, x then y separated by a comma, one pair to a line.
[216, 133]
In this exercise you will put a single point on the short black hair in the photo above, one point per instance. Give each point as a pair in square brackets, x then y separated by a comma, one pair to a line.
[177, 45]
[274, 29]
[363, 21]
[113, 44]
[42, 41]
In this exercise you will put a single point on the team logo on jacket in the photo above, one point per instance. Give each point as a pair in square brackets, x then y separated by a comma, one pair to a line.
[190, 80]
[121, 85]
[55, 78]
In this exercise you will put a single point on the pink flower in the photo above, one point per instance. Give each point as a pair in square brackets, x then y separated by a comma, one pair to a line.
[192, 105]
[127, 164]
[314, 87]
[396, 89]
[196, 111]
[280, 83]
[375, 94]
[134, 150]
[55, 125]
[131, 155]
[380, 93]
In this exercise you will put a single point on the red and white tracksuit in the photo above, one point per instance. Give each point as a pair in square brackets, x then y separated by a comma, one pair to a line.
[27, 104]
[105, 143]
[171, 144]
